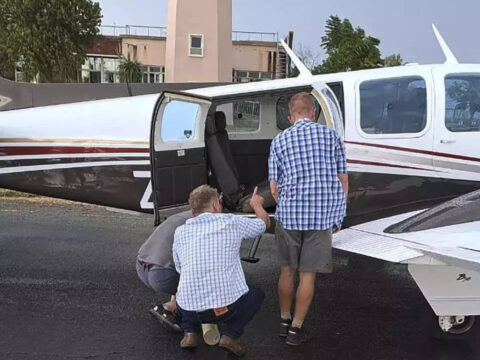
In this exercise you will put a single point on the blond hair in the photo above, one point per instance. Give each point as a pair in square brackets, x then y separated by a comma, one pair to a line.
[301, 103]
[201, 199]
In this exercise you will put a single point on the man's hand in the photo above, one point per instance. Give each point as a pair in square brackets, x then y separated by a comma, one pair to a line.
[336, 229]
[256, 200]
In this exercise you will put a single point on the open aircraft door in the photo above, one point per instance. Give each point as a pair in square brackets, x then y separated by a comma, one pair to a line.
[177, 140]
[177, 149]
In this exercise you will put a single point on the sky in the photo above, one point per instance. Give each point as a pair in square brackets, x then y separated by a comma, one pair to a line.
[403, 26]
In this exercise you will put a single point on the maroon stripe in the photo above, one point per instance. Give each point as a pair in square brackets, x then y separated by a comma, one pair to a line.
[383, 164]
[45, 150]
[418, 151]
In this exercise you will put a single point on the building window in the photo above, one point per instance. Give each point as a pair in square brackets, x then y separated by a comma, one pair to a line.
[132, 51]
[100, 69]
[195, 45]
[462, 103]
[153, 74]
[393, 106]
[19, 75]
[248, 76]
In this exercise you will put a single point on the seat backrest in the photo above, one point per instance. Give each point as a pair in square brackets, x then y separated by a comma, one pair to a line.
[220, 159]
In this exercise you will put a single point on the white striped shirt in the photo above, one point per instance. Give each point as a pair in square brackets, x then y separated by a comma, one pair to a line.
[206, 252]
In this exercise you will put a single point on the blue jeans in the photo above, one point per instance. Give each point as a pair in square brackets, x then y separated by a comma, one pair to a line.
[163, 280]
[239, 314]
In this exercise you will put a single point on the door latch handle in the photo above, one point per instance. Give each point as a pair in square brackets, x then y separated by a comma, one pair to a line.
[443, 141]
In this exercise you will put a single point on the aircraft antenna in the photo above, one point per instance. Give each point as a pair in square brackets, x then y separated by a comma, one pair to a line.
[304, 72]
[450, 57]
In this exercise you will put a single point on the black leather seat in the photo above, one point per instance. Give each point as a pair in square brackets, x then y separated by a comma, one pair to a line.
[224, 171]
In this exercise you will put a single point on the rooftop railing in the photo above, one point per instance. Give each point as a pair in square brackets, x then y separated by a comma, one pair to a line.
[254, 36]
[135, 30]
[161, 31]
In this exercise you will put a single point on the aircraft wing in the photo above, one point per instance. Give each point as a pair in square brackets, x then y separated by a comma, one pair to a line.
[446, 234]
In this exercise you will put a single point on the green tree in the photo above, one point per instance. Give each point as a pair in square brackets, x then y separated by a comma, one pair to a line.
[47, 38]
[347, 48]
[130, 70]
[393, 60]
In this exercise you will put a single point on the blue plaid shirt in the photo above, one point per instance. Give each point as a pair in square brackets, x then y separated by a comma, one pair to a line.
[305, 160]
[206, 252]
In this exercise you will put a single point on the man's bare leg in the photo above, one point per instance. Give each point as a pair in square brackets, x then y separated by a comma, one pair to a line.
[305, 291]
[171, 305]
[285, 291]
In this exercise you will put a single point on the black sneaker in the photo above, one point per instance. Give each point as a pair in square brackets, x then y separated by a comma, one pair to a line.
[284, 326]
[297, 336]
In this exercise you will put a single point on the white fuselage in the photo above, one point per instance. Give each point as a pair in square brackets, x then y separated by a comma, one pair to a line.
[115, 132]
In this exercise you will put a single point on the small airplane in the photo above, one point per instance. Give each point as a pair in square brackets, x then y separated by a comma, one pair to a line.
[411, 134]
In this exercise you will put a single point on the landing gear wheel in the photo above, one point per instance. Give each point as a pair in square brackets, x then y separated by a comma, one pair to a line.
[450, 328]
[458, 325]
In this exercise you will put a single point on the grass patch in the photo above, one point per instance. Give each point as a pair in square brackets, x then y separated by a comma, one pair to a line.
[15, 194]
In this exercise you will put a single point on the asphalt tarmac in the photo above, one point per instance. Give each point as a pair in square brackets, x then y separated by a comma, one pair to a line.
[69, 290]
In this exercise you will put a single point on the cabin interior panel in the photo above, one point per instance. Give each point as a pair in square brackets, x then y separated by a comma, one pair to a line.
[251, 159]
[176, 176]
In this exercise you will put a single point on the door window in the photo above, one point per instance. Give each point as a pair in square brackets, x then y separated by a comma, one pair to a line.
[178, 121]
[462, 103]
[393, 106]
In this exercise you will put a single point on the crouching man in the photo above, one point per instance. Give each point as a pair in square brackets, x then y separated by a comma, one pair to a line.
[156, 269]
[212, 287]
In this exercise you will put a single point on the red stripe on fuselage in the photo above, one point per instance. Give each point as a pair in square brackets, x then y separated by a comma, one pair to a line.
[384, 164]
[418, 151]
[47, 150]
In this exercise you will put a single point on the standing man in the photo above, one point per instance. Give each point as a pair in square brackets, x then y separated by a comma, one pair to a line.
[308, 179]
[212, 286]
[156, 269]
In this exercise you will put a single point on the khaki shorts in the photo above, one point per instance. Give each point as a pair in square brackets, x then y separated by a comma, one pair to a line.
[307, 251]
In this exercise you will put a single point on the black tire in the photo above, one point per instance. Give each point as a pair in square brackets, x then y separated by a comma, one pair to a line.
[458, 332]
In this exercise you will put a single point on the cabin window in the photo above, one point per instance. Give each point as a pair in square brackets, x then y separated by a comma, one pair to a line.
[178, 121]
[393, 106]
[242, 115]
[196, 45]
[462, 103]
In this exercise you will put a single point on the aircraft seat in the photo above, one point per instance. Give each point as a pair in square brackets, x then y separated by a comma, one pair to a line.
[222, 165]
